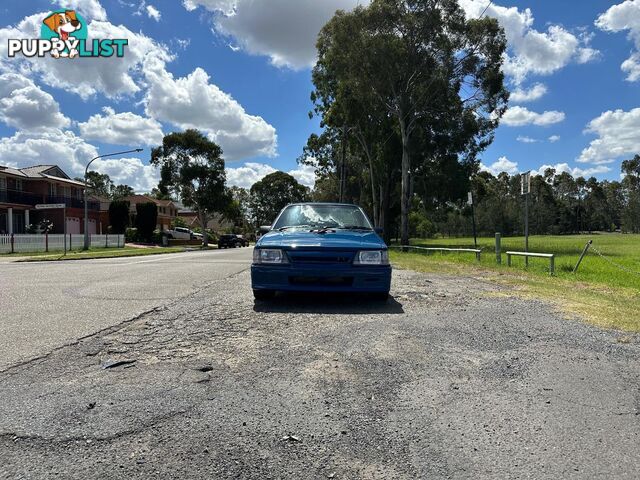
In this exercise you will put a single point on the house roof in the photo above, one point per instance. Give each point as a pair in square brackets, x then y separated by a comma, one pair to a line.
[133, 199]
[50, 172]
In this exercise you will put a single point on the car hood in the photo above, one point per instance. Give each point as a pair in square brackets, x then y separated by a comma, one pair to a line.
[339, 239]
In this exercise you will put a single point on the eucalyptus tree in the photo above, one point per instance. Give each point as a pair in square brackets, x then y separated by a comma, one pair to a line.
[420, 63]
[192, 167]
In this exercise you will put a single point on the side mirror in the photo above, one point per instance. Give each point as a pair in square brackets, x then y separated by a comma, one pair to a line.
[265, 228]
[379, 230]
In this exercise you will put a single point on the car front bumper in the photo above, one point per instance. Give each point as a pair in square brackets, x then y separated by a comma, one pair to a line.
[312, 278]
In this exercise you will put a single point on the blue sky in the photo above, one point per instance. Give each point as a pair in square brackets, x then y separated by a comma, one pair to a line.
[239, 70]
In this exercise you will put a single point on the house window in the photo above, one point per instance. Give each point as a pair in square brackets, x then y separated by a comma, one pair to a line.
[3, 183]
[19, 185]
[53, 189]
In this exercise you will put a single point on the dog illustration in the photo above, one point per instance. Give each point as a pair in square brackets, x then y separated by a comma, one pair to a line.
[63, 24]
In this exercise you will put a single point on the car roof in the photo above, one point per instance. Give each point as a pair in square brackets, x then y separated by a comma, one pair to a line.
[336, 204]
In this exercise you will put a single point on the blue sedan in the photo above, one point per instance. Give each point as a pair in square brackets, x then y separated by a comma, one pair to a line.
[321, 247]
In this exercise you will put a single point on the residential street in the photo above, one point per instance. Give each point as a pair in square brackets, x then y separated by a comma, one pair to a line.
[453, 378]
[48, 304]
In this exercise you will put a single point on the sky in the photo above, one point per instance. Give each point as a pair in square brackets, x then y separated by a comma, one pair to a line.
[240, 71]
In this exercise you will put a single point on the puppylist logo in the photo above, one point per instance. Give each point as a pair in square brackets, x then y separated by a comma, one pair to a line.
[64, 35]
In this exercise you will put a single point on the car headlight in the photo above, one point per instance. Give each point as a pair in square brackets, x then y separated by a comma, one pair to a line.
[269, 255]
[372, 257]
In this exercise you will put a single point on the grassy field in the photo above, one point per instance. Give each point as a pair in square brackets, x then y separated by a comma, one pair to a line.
[605, 291]
[93, 253]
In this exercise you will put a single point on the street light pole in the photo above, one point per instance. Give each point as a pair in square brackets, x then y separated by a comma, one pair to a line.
[86, 204]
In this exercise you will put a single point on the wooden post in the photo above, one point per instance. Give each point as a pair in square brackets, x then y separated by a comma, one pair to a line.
[552, 265]
[12, 244]
[584, 252]
[508, 260]
[498, 249]
[46, 242]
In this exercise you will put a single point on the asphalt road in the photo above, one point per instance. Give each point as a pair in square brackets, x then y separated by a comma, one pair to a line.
[452, 378]
[48, 304]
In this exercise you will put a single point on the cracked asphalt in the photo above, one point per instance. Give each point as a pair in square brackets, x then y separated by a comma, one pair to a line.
[453, 378]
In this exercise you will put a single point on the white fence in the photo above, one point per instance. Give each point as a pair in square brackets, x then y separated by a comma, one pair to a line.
[52, 243]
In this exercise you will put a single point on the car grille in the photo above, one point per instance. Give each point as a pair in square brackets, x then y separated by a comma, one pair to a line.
[319, 257]
[322, 281]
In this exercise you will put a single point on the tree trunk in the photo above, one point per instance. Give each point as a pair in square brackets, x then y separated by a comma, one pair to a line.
[203, 225]
[405, 196]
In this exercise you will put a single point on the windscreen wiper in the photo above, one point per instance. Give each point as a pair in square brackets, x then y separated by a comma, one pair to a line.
[282, 229]
[355, 227]
[324, 229]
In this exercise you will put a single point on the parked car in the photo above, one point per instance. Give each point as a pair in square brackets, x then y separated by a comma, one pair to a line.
[180, 233]
[243, 241]
[321, 247]
[229, 240]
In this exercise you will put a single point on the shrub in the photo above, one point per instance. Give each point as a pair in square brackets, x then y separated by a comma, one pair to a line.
[119, 216]
[146, 220]
[131, 235]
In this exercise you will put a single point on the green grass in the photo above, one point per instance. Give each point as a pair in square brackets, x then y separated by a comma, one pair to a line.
[600, 292]
[94, 253]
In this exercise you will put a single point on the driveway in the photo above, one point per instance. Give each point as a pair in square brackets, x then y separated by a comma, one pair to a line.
[453, 378]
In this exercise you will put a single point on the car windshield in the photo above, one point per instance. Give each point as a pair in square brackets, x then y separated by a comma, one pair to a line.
[323, 216]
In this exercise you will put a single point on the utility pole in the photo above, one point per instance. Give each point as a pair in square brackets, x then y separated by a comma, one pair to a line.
[343, 167]
[86, 193]
[525, 190]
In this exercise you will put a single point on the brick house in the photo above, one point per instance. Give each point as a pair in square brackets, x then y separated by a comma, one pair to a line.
[167, 210]
[21, 189]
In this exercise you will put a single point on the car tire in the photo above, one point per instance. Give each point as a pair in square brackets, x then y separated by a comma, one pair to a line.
[380, 296]
[264, 295]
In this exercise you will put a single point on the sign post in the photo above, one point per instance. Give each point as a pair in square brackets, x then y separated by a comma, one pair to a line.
[525, 190]
[473, 219]
[56, 206]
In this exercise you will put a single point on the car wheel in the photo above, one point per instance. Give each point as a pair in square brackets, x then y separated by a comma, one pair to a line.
[170, 237]
[264, 294]
[380, 296]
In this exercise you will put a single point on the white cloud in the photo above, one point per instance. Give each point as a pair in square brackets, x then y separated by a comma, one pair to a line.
[503, 164]
[520, 95]
[621, 17]
[122, 129]
[153, 12]
[305, 174]
[225, 6]
[251, 173]
[554, 138]
[525, 139]
[129, 171]
[618, 135]
[574, 172]
[531, 51]
[283, 30]
[71, 153]
[520, 116]
[49, 146]
[112, 76]
[25, 106]
[90, 9]
[193, 102]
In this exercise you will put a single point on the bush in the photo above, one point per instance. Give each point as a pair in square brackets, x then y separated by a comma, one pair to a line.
[420, 226]
[146, 220]
[156, 237]
[119, 216]
[131, 235]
